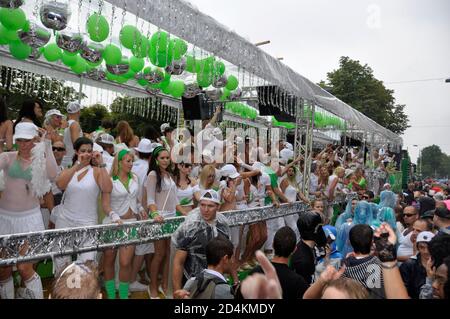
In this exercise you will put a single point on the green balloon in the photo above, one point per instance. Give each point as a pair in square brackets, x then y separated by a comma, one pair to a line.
[142, 82]
[161, 59]
[136, 64]
[80, 65]
[160, 41]
[219, 68]
[179, 48]
[225, 95]
[52, 52]
[112, 54]
[19, 50]
[165, 83]
[130, 36]
[204, 80]
[176, 88]
[232, 83]
[8, 35]
[13, 19]
[68, 59]
[97, 27]
[111, 77]
[141, 49]
[190, 63]
[130, 74]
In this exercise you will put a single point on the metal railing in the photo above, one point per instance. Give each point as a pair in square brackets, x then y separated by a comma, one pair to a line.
[29, 247]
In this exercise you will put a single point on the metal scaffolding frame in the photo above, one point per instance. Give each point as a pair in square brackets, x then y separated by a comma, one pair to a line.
[304, 123]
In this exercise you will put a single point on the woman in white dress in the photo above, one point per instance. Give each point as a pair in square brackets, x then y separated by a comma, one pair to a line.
[82, 184]
[162, 203]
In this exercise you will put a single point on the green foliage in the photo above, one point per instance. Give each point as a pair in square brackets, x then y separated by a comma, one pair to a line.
[356, 85]
[435, 162]
[91, 117]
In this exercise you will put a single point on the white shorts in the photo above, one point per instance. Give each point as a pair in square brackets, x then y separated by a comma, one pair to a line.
[144, 249]
[21, 222]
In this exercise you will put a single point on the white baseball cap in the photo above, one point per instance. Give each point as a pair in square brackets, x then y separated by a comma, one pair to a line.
[26, 131]
[97, 148]
[229, 171]
[164, 127]
[53, 112]
[210, 195]
[424, 237]
[145, 146]
[73, 107]
[105, 138]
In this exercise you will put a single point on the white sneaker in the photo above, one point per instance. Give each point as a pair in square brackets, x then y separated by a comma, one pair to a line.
[137, 286]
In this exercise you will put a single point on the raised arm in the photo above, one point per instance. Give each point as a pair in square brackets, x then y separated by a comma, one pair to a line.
[9, 135]
[75, 131]
[66, 176]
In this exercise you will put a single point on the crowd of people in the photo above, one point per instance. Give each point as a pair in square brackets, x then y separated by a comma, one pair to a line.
[380, 244]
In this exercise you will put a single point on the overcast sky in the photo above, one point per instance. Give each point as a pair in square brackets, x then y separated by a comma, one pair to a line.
[400, 40]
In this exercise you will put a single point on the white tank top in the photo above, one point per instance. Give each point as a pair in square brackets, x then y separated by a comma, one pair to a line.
[240, 194]
[122, 199]
[291, 193]
[81, 198]
[186, 196]
[67, 159]
[253, 197]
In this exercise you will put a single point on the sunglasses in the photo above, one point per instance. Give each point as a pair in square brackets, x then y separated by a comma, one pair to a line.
[187, 165]
[408, 215]
[58, 149]
[21, 140]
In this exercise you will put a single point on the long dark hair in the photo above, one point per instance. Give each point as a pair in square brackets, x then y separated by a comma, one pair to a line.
[176, 174]
[3, 109]
[154, 166]
[77, 145]
[27, 111]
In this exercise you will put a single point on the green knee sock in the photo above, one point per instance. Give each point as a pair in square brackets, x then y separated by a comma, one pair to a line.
[123, 290]
[110, 287]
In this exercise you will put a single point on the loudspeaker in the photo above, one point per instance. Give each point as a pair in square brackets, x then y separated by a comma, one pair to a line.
[199, 108]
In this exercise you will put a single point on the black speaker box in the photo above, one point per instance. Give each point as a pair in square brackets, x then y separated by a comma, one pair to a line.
[199, 108]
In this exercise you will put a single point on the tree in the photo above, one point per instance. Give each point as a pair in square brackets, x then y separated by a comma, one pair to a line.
[356, 85]
[91, 117]
[435, 163]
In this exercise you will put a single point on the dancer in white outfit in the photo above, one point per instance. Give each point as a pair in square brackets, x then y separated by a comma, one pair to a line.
[72, 132]
[162, 202]
[19, 201]
[82, 184]
[122, 205]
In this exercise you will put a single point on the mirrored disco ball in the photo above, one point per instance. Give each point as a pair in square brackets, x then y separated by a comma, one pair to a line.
[55, 15]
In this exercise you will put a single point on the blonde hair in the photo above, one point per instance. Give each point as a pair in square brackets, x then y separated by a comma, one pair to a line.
[338, 170]
[351, 287]
[207, 170]
[78, 281]
[125, 132]
[115, 165]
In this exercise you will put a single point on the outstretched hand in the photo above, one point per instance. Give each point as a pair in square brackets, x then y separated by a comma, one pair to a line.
[258, 286]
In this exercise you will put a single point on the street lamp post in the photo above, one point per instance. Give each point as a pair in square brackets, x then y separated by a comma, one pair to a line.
[421, 159]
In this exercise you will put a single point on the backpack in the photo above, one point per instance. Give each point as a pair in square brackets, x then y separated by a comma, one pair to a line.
[205, 288]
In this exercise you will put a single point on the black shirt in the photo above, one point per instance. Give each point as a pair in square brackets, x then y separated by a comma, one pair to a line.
[304, 261]
[292, 284]
[414, 275]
